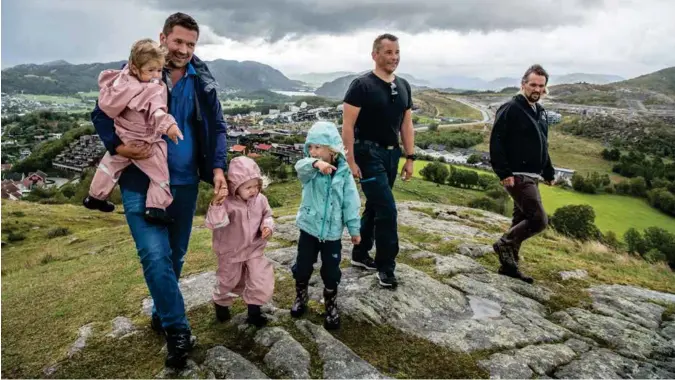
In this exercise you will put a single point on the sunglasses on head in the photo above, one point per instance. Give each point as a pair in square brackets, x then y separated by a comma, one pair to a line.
[393, 92]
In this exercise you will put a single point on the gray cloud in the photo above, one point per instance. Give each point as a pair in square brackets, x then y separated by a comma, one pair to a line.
[276, 19]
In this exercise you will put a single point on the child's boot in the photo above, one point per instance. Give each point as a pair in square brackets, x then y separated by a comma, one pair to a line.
[255, 316]
[97, 204]
[302, 297]
[222, 312]
[157, 216]
[332, 321]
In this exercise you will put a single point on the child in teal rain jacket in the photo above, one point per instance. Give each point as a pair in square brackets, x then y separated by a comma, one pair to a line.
[330, 201]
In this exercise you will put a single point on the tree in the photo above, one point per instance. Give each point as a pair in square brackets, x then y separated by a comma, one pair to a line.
[433, 126]
[611, 155]
[576, 221]
[435, 172]
[474, 159]
[638, 186]
[635, 242]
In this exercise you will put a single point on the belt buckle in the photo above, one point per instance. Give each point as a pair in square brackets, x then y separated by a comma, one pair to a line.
[390, 147]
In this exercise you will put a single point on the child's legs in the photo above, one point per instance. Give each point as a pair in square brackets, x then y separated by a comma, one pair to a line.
[157, 169]
[228, 276]
[331, 254]
[308, 250]
[259, 281]
[107, 174]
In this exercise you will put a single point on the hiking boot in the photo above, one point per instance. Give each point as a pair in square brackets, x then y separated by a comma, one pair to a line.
[157, 216]
[98, 204]
[179, 342]
[222, 312]
[366, 262]
[387, 280]
[509, 265]
[156, 324]
[302, 297]
[332, 320]
[515, 273]
[255, 316]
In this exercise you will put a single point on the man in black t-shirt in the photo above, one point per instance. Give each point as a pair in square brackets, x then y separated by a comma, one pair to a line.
[377, 109]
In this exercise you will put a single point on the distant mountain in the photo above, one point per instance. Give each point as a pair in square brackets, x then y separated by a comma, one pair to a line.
[473, 83]
[317, 79]
[63, 78]
[585, 78]
[662, 81]
[337, 88]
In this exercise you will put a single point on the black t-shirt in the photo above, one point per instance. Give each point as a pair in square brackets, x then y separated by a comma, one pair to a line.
[381, 114]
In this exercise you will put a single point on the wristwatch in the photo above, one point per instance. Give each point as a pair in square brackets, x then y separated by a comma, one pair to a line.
[411, 157]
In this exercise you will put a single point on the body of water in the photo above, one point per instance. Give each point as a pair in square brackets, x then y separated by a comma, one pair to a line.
[294, 93]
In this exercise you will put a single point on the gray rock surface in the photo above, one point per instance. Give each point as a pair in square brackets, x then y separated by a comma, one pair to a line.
[196, 289]
[576, 274]
[604, 364]
[286, 356]
[475, 250]
[83, 334]
[191, 371]
[122, 327]
[225, 364]
[339, 361]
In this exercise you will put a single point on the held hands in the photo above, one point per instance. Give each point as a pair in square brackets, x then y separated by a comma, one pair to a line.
[266, 232]
[324, 167]
[356, 240]
[174, 134]
[220, 190]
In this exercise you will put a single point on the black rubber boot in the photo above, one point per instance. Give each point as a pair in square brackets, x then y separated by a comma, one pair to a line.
[98, 204]
[179, 343]
[157, 216]
[255, 316]
[222, 312]
[332, 321]
[302, 297]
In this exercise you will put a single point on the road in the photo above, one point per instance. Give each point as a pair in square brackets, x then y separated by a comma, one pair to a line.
[487, 117]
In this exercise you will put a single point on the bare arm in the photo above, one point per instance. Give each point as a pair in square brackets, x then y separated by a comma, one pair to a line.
[407, 133]
[349, 116]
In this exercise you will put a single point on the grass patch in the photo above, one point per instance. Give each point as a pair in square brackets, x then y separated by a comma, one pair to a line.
[58, 232]
[438, 104]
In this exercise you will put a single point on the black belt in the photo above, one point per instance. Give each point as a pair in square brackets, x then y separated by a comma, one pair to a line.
[369, 142]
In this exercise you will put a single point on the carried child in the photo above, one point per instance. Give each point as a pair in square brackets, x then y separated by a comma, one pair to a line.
[136, 99]
[330, 201]
[241, 223]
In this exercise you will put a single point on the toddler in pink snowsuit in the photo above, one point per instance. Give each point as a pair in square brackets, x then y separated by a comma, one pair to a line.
[136, 99]
[241, 225]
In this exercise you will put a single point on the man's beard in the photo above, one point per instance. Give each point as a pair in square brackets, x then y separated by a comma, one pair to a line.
[533, 98]
[170, 63]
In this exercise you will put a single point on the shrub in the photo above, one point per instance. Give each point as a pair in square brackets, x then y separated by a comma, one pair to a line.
[473, 159]
[435, 172]
[635, 242]
[486, 181]
[662, 240]
[58, 232]
[576, 221]
[623, 187]
[18, 214]
[485, 203]
[654, 256]
[609, 189]
[609, 239]
[16, 236]
[273, 201]
[433, 126]
[638, 186]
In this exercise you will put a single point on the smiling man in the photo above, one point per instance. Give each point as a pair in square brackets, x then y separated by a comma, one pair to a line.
[377, 110]
[201, 155]
[519, 157]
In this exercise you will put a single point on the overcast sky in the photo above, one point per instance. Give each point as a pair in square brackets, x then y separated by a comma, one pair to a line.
[483, 38]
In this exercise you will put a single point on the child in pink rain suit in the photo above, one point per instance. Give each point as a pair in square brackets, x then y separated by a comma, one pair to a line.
[241, 223]
[136, 99]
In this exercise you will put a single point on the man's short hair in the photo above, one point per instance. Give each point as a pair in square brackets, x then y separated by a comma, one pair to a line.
[537, 69]
[180, 19]
[378, 41]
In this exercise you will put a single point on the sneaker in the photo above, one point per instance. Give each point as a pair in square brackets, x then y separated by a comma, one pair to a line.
[387, 279]
[97, 204]
[179, 342]
[255, 316]
[367, 263]
[157, 216]
[332, 320]
[302, 297]
[222, 312]
[156, 324]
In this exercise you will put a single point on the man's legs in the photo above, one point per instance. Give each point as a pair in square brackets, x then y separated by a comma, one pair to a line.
[518, 216]
[182, 211]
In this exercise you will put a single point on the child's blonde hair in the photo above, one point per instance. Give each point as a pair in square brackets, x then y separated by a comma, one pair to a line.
[145, 51]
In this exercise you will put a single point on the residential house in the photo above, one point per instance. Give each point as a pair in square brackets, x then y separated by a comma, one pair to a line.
[25, 152]
[11, 190]
[563, 174]
[36, 179]
[238, 149]
[262, 148]
[6, 167]
[83, 153]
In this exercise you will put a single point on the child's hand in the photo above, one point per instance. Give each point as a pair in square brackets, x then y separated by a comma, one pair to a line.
[324, 167]
[174, 133]
[356, 240]
[219, 198]
[266, 232]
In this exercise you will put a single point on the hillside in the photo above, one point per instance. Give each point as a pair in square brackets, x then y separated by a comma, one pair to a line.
[317, 79]
[337, 88]
[662, 81]
[63, 78]
[473, 83]
[88, 315]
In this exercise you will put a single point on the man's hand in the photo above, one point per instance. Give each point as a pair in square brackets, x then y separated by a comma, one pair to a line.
[356, 240]
[407, 171]
[174, 134]
[266, 232]
[550, 183]
[219, 184]
[508, 181]
[135, 150]
[324, 167]
[356, 172]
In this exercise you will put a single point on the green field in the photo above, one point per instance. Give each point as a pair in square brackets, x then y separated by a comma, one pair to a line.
[438, 104]
[53, 99]
[613, 212]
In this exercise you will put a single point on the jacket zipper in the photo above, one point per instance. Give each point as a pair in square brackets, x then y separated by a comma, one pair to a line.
[325, 208]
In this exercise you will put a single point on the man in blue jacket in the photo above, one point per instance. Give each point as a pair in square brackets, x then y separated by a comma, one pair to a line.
[201, 155]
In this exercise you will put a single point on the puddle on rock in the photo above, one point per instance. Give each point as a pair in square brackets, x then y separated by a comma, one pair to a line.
[483, 308]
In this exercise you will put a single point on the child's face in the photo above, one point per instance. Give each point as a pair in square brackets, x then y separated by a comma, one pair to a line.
[320, 151]
[151, 71]
[249, 189]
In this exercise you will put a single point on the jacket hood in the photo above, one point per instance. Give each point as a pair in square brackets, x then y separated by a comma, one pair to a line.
[324, 133]
[242, 169]
[118, 88]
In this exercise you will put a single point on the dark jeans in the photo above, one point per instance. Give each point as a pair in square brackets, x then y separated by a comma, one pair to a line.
[161, 249]
[308, 250]
[379, 167]
[529, 217]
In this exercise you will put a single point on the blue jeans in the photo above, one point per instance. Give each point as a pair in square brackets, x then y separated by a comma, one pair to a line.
[161, 249]
[379, 167]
